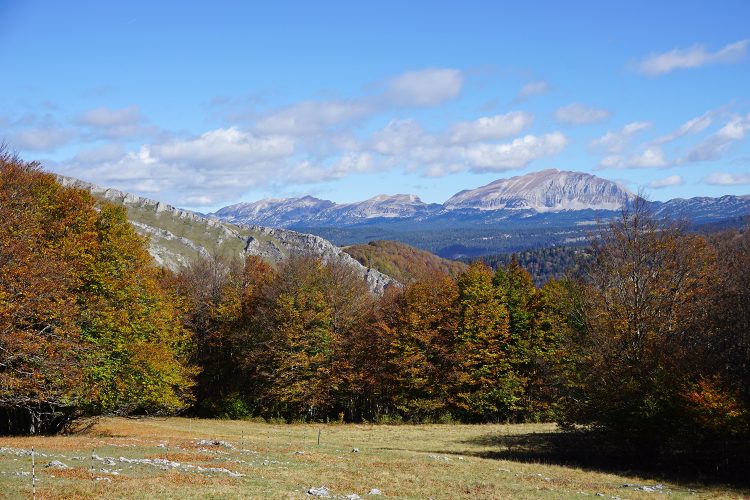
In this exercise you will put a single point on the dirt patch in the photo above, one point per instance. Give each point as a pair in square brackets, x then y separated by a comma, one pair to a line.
[71, 473]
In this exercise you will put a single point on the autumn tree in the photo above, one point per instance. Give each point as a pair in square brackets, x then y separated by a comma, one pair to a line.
[489, 388]
[352, 308]
[299, 352]
[731, 311]
[422, 355]
[43, 235]
[84, 326]
[555, 323]
[644, 307]
[140, 350]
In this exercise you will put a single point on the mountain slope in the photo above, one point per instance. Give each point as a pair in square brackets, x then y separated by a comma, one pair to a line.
[177, 236]
[703, 209]
[379, 207]
[289, 212]
[401, 261]
[545, 191]
[276, 212]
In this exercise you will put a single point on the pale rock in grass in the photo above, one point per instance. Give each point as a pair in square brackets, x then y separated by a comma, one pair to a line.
[56, 464]
[321, 492]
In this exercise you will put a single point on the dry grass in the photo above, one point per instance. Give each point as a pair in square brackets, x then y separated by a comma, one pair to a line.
[284, 461]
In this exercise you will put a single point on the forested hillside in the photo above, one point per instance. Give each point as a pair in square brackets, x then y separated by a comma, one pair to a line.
[543, 264]
[401, 261]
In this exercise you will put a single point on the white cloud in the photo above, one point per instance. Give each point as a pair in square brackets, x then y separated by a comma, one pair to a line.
[615, 141]
[309, 141]
[116, 123]
[105, 153]
[726, 179]
[43, 138]
[714, 146]
[399, 136]
[515, 154]
[672, 180]
[579, 114]
[491, 127]
[224, 147]
[651, 157]
[690, 127]
[692, 57]
[216, 165]
[348, 164]
[427, 87]
[736, 129]
[105, 117]
[532, 89]
[311, 117]
[224, 163]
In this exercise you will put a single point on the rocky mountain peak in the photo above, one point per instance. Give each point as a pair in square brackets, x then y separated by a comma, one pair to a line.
[549, 190]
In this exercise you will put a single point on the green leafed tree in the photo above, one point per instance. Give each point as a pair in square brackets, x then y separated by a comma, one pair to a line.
[490, 389]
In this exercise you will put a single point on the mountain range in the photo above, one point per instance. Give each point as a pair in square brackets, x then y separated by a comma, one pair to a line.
[540, 210]
[550, 207]
[546, 191]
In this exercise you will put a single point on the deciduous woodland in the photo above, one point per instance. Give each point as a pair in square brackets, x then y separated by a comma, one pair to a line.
[649, 345]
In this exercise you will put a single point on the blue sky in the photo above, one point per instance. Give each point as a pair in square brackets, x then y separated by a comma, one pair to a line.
[206, 104]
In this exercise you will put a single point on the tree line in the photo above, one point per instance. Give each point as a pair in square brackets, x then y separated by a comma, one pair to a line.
[649, 344]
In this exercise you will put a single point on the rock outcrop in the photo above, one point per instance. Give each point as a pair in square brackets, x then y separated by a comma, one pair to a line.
[177, 236]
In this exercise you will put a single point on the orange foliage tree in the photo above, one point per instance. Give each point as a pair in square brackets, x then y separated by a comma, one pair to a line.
[84, 327]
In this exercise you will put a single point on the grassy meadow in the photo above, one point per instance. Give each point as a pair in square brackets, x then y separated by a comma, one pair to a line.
[191, 458]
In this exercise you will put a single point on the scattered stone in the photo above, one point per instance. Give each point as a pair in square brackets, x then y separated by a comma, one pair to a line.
[504, 470]
[56, 464]
[219, 470]
[600, 494]
[353, 496]
[108, 479]
[214, 442]
[657, 488]
[355, 450]
[460, 458]
[107, 460]
[299, 452]
[443, 458]
[161, 463]
[21, 452]
[162, 445]
[375, 491]
[321, 492]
